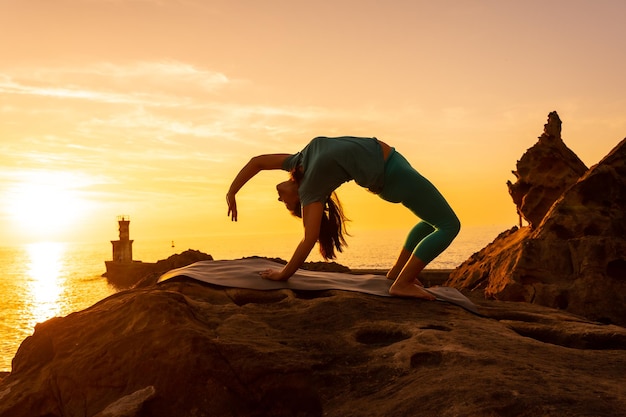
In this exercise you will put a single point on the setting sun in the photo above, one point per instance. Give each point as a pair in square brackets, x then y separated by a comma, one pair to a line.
[44, 204]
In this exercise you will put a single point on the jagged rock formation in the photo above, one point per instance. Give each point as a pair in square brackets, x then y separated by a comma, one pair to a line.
[544, 172]
[574, 257]
[182, 348]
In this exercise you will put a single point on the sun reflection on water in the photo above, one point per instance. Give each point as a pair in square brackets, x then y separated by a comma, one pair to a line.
[46, 281]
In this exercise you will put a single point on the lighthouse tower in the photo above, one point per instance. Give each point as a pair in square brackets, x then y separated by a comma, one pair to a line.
[123, 248]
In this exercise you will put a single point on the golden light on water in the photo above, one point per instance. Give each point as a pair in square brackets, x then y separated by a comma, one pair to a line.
[46, 282]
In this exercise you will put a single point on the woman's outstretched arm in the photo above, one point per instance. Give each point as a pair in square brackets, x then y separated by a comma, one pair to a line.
[312, 219]
[253, 167]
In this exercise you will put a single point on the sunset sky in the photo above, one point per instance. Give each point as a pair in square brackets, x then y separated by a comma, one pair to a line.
[150, 107]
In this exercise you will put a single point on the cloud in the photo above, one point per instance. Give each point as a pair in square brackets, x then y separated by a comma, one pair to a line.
[69, 179]
[59, 92]
[134, 119]
[161, 83]
[149, 124]
[192, 97]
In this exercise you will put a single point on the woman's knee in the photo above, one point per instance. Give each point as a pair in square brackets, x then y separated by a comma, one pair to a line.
[450, 226]
[453, 225]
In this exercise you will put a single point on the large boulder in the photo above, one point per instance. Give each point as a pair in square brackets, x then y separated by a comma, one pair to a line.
[573, 259]
[182, 348]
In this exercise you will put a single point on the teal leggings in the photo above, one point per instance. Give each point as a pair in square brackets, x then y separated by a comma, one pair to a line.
[438, 226]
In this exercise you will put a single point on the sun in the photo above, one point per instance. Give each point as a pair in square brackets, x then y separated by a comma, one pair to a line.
[43, 205]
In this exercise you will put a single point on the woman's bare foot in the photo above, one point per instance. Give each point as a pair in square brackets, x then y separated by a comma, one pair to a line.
[413, 290]
[406, 284]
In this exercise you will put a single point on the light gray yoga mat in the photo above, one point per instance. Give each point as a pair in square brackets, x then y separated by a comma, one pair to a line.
[244, 273]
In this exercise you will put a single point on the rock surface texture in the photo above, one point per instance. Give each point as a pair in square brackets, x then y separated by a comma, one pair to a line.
[182, 348]
[573, 257]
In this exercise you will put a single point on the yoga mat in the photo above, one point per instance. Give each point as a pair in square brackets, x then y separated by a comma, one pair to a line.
[244, 273]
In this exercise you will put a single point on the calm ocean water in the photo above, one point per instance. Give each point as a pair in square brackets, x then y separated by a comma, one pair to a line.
[44, 280]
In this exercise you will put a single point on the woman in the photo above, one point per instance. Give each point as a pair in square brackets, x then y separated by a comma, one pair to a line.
[326, 163]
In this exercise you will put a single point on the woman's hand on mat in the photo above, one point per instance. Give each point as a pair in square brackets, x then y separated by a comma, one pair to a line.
[273, 275]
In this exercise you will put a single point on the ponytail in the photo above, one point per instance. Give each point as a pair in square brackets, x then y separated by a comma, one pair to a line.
[333, 225]
[332, 229]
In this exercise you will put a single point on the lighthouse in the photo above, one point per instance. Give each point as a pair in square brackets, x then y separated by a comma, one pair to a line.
[123, 271]
[123, 248]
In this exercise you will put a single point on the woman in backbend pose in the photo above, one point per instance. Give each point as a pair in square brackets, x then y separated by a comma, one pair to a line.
[326, 163]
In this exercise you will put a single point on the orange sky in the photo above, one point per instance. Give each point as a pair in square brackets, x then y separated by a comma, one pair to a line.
[150, 107]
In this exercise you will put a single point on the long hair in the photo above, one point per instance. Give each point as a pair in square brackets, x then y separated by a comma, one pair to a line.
[333, 226]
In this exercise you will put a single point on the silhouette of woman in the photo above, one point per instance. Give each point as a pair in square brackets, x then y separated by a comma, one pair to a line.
[326, 163]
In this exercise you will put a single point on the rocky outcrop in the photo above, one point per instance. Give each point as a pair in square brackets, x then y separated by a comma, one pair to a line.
[544, 172]
[141, 274]
[182, 348]
[574, 258]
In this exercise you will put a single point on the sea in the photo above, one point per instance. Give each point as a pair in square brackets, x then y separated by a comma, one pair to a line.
[39, 281]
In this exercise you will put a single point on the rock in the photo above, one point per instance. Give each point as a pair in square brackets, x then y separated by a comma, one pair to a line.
[544, 172]
[182, 259]
[489, 269]
[596, 204]
[325, 267]
[157, 269]
[574, 259]
[129, 405]
[182, 348]
[311, 266]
